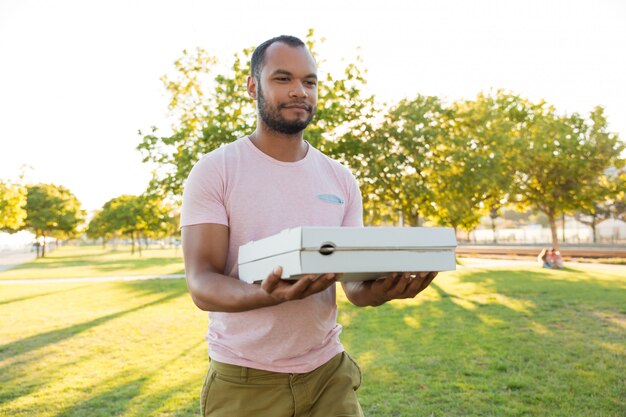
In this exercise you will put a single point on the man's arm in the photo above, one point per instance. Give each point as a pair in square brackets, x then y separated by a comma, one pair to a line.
[205, 249]
[394, 286]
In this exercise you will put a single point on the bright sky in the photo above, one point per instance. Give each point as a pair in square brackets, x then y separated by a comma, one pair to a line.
[79, 78]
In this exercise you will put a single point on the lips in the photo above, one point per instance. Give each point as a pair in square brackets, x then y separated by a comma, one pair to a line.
[301, 106]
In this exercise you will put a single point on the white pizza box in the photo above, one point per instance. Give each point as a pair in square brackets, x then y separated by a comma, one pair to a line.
[360, 253]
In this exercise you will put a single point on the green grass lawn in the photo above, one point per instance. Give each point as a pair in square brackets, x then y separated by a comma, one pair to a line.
[94, 261]
[507, 342]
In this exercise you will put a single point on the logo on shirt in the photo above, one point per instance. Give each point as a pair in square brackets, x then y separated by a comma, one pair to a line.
[330, 198]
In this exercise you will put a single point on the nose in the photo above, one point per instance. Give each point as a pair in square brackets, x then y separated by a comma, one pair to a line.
[298, 90]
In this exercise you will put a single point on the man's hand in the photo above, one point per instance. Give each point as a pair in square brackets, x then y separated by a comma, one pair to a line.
[205, 247]
[286, 290]
[393, 286]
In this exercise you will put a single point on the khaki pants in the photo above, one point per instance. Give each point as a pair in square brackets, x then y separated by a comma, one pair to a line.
[328, 391]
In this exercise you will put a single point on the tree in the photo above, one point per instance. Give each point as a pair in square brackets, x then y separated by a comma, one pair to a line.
[98, 228]
[467, 176]
[134, 217]
[160, 219]
[118, 217]
[12, 206]
[563, 157]
[489, 124]
[393, 163]
[617, 197]
[596, 204]
[52, 211]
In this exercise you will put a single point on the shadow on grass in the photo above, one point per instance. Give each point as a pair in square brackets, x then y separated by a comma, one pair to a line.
[18, 380]
[67, 260]
[111, 402]
[43, 339]
[516, 343]
[30, 297]
[104, 265]
[155, 286]
[130, 395]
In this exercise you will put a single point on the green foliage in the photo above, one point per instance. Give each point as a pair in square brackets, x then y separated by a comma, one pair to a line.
[562, 161]
[97, 227]
[616, 200]
[52, 211]
[395, 164]
[474, 161]
[134, 216]
[415, 159]
[12, 206]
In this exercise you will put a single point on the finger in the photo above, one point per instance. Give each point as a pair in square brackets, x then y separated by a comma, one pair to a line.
[418, 283]
[414, 286]
[270, 283]
[310, 277]
[423, 283]
[426, 282]
[389, 281]
[301, 286]
[321, 283]
[402, 283]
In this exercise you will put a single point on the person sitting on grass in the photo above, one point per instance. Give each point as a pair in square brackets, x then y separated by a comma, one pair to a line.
[555, 259]
[543, 258]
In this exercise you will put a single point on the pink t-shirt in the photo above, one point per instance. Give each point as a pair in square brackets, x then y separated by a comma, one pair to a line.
[257, 196]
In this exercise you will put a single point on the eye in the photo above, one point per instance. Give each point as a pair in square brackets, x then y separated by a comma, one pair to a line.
[311, 82]
[282, 79]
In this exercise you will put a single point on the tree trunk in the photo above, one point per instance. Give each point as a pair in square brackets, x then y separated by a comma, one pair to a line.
[563, 228]
[37, 244]
[493, 214]
[593, 231]
[139, 244]
[415, 218]
[43, 246]
[553, 230]
[132, 243]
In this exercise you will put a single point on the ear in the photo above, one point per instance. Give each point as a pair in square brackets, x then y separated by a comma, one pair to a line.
[251, 86]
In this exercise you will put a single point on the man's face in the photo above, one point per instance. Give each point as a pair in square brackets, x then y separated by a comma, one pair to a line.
[287, 89]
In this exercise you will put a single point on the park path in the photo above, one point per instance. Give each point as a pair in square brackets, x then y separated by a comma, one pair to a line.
[12, 258]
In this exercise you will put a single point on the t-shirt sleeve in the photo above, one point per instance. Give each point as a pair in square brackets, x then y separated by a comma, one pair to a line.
[354, 209]
[203, 197]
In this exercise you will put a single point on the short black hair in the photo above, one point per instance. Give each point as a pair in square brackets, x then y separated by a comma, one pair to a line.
[258, 56]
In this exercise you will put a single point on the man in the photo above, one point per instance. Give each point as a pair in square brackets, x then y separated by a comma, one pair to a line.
[274, 347]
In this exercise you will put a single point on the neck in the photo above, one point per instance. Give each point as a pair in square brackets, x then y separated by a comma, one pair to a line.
[280, 146]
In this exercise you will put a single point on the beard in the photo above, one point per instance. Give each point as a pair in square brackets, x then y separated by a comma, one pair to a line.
[271, 116]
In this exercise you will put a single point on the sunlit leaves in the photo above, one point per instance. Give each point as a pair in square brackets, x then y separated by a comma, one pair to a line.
[134, 217]
[12, 206]
[52, 211]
